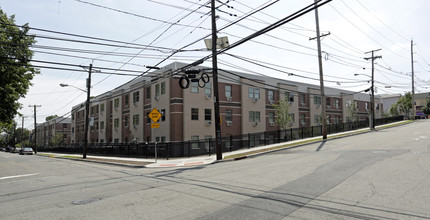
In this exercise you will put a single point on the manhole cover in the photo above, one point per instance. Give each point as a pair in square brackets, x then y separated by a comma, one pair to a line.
[86, 201]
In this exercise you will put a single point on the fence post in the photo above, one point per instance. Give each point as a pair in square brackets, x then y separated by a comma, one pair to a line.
[231, 142]
[249, 140]
[167, 150]
[189, 148]
[128, 150]
[291, 134]
[303, 135]
[265, 138]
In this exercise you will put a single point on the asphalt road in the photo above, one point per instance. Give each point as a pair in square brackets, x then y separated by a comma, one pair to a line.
[378, 175]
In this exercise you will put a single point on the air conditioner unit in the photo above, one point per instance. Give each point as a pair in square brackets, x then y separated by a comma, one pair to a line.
[208, 96]
[229, 123]
[328, 106]
[208, 122]
[254, 124]
[254, 100]
[272, 124]
[135, 103]
[271, 102]
[229, 98]
[157, 98]
[135, 126]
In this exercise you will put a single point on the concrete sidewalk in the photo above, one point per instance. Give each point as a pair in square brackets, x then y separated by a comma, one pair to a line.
[204, 160]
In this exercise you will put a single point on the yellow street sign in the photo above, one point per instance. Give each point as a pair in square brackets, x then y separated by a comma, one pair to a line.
[155, 115]
[155, 125]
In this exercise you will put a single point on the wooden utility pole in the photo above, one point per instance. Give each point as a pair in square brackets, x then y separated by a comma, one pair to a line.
[87, 112]
[413, 81]
[35, 127]
[218, 143]
[372, 110]
[323, 99]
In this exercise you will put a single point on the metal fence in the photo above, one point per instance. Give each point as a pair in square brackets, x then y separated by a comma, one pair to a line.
[207, 146]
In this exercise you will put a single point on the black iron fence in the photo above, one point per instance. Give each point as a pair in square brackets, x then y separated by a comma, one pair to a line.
[207, 146]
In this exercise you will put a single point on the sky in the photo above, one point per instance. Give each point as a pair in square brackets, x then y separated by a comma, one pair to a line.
[154, 29]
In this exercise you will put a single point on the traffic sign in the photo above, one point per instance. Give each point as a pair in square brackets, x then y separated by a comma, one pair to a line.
[155, 125]
[155, 115]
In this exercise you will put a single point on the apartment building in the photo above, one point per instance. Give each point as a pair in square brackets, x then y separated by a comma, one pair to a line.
[56, 131]
[246, 106]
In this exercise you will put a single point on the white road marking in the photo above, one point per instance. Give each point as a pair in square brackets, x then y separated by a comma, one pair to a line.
[17, 176]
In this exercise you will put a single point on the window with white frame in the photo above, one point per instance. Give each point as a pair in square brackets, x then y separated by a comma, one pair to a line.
[194, 142]
[163, 88]
[116, 123]
[194, 86]
[336, 103]
[254, 116]
[157, 90]
[208, 89]
[135, 97]
[292, 117]
[208, 114]
[317, 119]
[303, 119]
[228, 115]
[135, 120]
[271, 117]
[317, 100]
[289, 97]
[302, 99]
[194, 114]
[270, 95]
[228, 91]
[253, 93]
[116, 103]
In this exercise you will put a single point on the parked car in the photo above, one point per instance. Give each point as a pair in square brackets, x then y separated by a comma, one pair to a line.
[26, 150]
[2, 149]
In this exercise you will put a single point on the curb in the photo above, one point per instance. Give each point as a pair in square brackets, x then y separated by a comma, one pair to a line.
[95, 161]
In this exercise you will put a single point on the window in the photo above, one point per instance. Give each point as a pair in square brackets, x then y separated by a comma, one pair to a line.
[135, 120]
[328, 119]
[148, 93]
[163, 88]
[317, 100]
[194, 142]
[207, 141]
[92, 111]
[303, 119]
[102, 125]
[336, 103]
[126, 121]
[367, 106]
[336, 119]
[157, 139]
[292, 117]
[102, 107]
[254, 116]
[253, 93]
[270, 95]
[135, 97]
[328, 102]
[228, 115]
[157, 90]
[116, 123]
[148, 119]
[194, 114]
[64, 125]
[127, 100]
[271, 117]
[317, 119]
[163, 114]
[163, 139]
[348, 103]
[377, 106]
[227, 91]
[64, 136]
[302, 99]
[116, 103]
[208, 114]
[73, 130]
[194, 87]
[289, 97]
[208, 89]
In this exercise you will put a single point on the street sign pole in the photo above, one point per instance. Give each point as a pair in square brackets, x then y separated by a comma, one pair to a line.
[155, 115]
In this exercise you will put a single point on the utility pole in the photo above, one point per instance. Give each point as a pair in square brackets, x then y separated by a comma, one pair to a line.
[218, 143]
[413, 81]
[22, 130]
[372, 110]
[323, 99]
[87, 111]
[35, 127]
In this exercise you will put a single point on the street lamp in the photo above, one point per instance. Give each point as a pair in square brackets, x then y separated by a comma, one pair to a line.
[372, 100]
[87, 109]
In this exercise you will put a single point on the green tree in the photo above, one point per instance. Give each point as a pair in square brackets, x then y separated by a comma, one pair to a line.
[352, 112]
[426, 109]
[56, 140]
[15, 69]
[403, 106]
[283, 118]
[51, 117]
